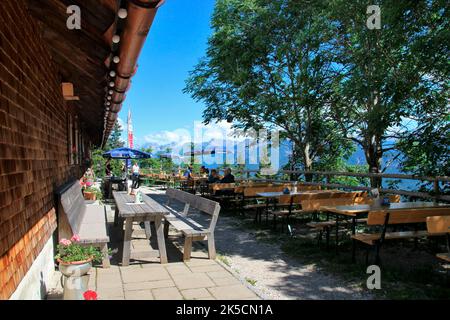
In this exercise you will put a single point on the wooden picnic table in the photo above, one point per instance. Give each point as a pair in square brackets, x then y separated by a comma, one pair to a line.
[356, 211]
[147, 211]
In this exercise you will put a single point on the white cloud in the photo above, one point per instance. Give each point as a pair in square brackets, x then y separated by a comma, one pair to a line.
[212, 135]
[176, 137]
[199, 133]
[122, 124]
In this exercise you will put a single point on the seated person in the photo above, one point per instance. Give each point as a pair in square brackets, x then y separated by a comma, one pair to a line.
[213, 177]
[228, 177]
[188, 172]
[204, 171]
[108, 168]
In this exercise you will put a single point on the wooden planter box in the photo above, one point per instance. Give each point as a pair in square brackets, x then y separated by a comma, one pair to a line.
[90, 196]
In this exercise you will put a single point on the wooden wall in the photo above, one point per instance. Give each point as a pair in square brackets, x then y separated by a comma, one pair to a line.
[34, 152]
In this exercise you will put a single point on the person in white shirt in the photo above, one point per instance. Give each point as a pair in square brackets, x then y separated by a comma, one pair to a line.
[135, 176]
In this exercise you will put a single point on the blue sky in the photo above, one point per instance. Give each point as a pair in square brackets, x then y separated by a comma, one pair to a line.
[176, 42]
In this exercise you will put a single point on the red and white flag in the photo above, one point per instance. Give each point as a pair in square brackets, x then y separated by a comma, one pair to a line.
[130, 130]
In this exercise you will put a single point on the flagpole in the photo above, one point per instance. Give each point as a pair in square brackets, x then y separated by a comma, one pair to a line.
[129, 142]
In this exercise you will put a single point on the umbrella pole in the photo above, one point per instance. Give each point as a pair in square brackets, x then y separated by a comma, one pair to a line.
[126, 175]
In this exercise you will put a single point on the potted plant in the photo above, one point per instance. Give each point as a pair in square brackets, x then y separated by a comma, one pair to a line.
[75, 261]
[90, 193]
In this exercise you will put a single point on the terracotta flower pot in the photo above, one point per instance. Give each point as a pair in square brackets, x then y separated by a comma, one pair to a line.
[90, 196]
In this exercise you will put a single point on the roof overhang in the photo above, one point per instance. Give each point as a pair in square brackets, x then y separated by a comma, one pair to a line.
[100, 58]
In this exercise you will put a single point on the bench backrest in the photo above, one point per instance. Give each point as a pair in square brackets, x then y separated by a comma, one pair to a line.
[71, 210]
[438, 224]
[313, 201]
[405, 216]
[300, 198]
[364, 199]
[192, 201]
[253, 191]
[220, 186]
[315, 204]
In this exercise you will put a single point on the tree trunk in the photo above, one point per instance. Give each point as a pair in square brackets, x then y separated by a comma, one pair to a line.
[307, 162]
[374, 154]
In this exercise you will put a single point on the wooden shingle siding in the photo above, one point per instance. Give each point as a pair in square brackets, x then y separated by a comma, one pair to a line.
[33, 143]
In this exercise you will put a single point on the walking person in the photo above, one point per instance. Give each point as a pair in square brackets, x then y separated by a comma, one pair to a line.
[135, 177]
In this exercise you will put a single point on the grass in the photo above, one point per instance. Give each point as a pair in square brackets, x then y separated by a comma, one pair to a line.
[251, 281]
[407, 279]
[405, 273]
[223, 259]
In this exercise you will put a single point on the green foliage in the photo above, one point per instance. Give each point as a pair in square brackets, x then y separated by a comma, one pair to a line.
[427, 151]
[114, 140]
[151, 163]
[96, 191]
[266, 66]
[391, 78]
[76, 252]
[99, 163]
[314, 70]
[155, 164]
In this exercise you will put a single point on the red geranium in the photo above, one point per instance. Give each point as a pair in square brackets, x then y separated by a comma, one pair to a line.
[90, 295]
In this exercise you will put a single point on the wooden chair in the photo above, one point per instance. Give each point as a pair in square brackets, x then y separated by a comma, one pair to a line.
[386, 219]
[251, 201]
[192, 230]
[440, 225]
[303, 204]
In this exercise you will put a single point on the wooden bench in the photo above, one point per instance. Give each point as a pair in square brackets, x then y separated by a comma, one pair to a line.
[385, 219]
[440, 225]
[87, 221]
[191, 230]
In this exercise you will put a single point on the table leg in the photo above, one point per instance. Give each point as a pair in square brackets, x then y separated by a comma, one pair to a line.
[337, 233]
[353, 240]
[127, 241]
[353, 225]
[148, 231]
[161, 241]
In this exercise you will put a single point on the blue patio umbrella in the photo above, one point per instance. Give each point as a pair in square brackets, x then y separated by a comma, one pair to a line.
[208, 151]
[169, 155]
[126, 153]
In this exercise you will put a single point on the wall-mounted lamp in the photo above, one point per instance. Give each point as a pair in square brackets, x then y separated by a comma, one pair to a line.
[122, 13]
[67, 91]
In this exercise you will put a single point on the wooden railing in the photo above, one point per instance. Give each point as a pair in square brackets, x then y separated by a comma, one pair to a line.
[436, 194]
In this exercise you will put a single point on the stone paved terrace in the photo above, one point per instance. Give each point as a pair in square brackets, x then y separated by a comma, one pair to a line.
[146, 279]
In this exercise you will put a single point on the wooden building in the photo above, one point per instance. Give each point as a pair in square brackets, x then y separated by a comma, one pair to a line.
[65, 66]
